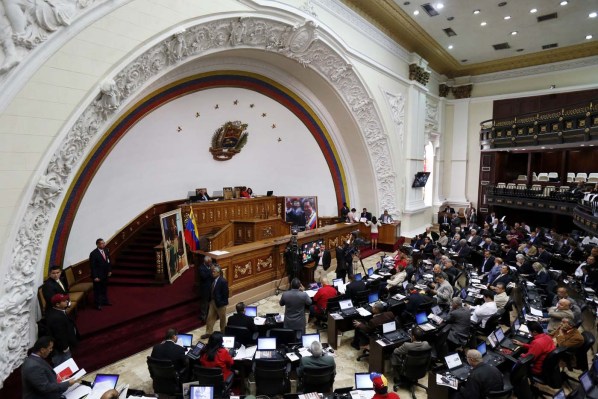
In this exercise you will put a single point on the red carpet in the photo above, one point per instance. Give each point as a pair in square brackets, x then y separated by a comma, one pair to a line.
[367, 252]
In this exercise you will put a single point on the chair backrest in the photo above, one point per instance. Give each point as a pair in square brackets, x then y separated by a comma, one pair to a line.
[501, 185]
[241, 334]
[164, 376]
[416, 364]
[551, 371]
[318, 379]
[521, 187]
[592, 175]
[582, 174]
[209, 376]
[333, 304]
[503, 394]
[461, 281]
[70, 277]
[570, 174]
[511, 186]
[271, 377]
[361, 298]
[41, 299]
[581, 354]
[284, 336]
[492, 323]
[522, 177]
[553, 175]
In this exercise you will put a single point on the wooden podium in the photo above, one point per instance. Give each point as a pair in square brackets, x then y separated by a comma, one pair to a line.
[388, 234]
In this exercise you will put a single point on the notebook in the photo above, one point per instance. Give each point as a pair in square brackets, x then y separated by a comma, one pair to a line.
[200, 392]
[363, 381]
[422, 320]
[185, 340]
[251, 311]
[307, 339]
[357, 277]
[264, 344]
[347, 308]
[456, 366]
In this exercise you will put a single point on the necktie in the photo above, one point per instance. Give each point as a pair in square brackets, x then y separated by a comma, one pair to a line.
[103, 254]
[214, 285]
[60, 284]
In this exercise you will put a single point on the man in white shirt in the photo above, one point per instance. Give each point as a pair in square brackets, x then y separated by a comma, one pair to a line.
[482, 313]
[589, 263]
[589, 239]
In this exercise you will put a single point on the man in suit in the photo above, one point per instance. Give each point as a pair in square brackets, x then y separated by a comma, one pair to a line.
[444, 220]
[170, 350]
[341, 266]
[218, 302]
[54, 285]
[202, 195]
[38, 379]
[354, 287]
[543, 255]
[458, 324]
[483, 378]
[385, 218]
[101, 269]
[365, 214]
[474, 239]
[62, 328]
[489, 245]
[432, 235]
[364, 328]
[294, 302]
[205, 286]
[344, 211]
[240, 319]
[487, 262]
[316, 360]
[322, 261]
[400, 354]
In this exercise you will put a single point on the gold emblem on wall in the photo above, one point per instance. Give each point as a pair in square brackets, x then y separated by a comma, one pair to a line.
[228, 140]
[264, 264]
[243, 270]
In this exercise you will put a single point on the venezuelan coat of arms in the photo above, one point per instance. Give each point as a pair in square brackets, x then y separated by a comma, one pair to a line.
[228, 140]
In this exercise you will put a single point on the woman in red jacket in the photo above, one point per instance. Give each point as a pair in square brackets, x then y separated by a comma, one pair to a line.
[215, 355]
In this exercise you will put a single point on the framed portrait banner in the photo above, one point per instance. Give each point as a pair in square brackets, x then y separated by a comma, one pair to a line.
[302, 212]
[173, 238]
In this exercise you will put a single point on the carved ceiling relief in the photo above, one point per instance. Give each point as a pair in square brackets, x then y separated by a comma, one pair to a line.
[300, 43]
[431, 124]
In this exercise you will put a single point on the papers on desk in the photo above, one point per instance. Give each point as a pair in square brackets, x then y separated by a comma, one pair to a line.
[341, 287]
[311, 293]
[336, 316]
[245, 353]
[428, 276]
[447, 381]
[98, 389]
[480, 286]
[304, 352]
[375, 276]
[475, 281]
[259, 321]
[399, 297]
[536, 312]
[311, 395]
[292, 357]
[589, 290]
[219, 252]
[427, 261]
[77, 391]
[365, 394]
[530, 284]
[384, 274]
[382, 342]
[364, 313]
[523, 328]
[415, 250]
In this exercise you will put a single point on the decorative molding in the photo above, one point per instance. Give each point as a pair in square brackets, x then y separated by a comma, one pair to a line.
[431, 124]
[30, 23]
[243, 270]
[462, 91]
[299, 43]
[309, 9]
[419, 74]
[263, 264]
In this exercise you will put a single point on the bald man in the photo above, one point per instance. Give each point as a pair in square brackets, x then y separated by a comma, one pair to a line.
[482, 379]
[110, 394]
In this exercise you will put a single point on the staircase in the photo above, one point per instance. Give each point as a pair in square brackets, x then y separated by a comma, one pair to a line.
[136, 263]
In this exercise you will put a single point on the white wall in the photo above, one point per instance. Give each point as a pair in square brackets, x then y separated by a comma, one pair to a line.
[154, 163]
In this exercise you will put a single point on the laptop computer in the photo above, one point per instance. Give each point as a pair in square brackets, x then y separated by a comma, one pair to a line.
[456, 367]
[518, 333]
[370, 271]
[363, 381]
[373, 298]
[104, 382]
[559, 395]
[201, 392]
[422, 320]
[489, 357]
[185, 340]
[195, 352]
[503, 341]
[307, 339]
[390, 332]
[336, 282]
[251, 311]
[347, 308]
[357, 277]
[266, 348]
[229, 343]
[585, 379]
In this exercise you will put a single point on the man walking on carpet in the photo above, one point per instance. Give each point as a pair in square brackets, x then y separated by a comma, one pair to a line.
[218, 302]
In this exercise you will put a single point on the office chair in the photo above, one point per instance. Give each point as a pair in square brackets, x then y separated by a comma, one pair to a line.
[242, 335]
[551, 373]
[317, 379]
[271, 376]
[502, 394]
[284, 336]
[165, 379]
[490, 326]
[361, 298]
[212, 376]
[581, 353]
[416, 366]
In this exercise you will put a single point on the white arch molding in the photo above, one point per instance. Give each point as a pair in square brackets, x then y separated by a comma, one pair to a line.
[301, 43]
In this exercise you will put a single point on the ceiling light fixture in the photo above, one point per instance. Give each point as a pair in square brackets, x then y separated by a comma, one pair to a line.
[476, 12]
[564, 2]
[416, 12]
[502, 4]
[507, 17]
[593, 14]
[450, 47]
[439, 6]
[519, 50]
[513, 33]
[483, 23]
[588, 37]
[533, 10]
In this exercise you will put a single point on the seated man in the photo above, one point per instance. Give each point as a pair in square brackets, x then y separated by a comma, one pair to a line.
[443, 290]
[361, 339]
[320, 300]
[458, 324]
[354, 286]
[399, 354]
[240, 319]
[54, 285]
[566, 335]
[482, 379]
[170, 350]
[316, 360]
[482, 313]
[557, 313]
[396, 279]
[540, 346]
[500, 296]
[415, 299]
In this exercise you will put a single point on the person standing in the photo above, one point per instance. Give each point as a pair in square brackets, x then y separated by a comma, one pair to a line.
[38, 379]
[101, 269]
[62, 328]
[294, 302]
[54, 285]
[218, 302]
[341, 266]
[322, 262]
[205, 285]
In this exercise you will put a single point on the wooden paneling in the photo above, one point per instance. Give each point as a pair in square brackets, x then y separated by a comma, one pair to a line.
[519, 106]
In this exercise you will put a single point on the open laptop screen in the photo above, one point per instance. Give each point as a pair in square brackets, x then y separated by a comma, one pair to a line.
[197, 392]
[492, 340]
[370, 271]
[106, 380]
[307, 339]
[373, 297]
[499, 334]
[560, 395]
[436, 310]
[185, 340]
[363, 381]
[421, 318]
[389, 327]
[251, 311]
[346, 304]
[586, 381]
[357, 276]
[482, 348]
[228, 342]
[337, 281]
[453, 361]
[264, 344]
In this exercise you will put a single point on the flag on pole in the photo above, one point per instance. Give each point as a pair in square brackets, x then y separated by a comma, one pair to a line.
[191, 232]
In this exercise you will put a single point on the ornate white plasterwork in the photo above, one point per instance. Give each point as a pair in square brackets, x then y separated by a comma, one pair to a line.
[25, 24]
[396, 103]
[300, 43]
[431, 124]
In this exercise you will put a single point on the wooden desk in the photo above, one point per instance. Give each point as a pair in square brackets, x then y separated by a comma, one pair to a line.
[252, 230]
[388, 234]
[334, 326]
[378, 352]
[436, 391]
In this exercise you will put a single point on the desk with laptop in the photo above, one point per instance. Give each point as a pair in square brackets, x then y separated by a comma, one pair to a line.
[381, 345]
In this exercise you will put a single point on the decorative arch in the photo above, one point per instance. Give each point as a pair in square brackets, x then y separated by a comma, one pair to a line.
[301, 43]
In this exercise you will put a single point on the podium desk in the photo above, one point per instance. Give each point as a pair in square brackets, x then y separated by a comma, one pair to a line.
[388, 234]
[378, 352]
[334, 326]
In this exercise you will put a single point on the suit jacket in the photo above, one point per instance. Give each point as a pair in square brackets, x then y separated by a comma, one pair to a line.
[62, 328]
[505, 279]
[241, 320]
[100, 267]
[39, 380]
[311, 362]
[354, 287]
[340, 258]
[475, 240]
[51, 288]
[169, 350]
[545, 257]
[458, 325]
[444, 218]
[220, 292]
[326, 258]
[367, 215]
[464, 251]
[411, 346]
[205, 280]
[294, 302]
[483, 379]
[487, 264]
